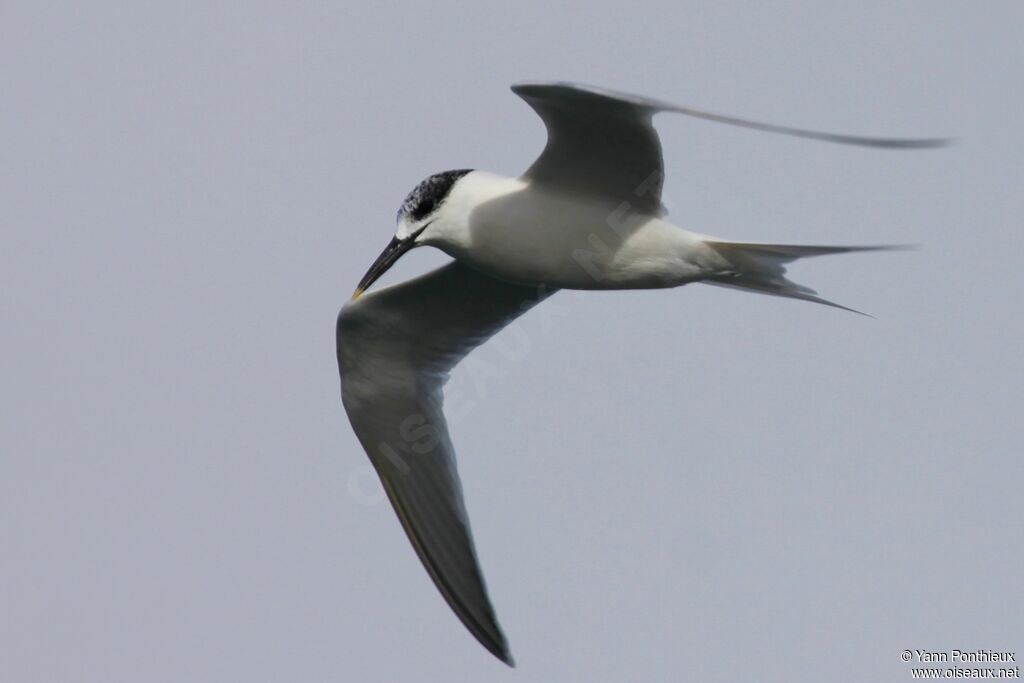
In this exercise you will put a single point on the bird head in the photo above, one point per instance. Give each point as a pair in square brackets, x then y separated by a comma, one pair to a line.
[421, 220]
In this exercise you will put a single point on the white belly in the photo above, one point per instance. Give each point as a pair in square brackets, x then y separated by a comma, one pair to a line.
[536, 237]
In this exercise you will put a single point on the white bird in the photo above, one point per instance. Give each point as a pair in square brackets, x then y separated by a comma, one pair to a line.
[586, 215]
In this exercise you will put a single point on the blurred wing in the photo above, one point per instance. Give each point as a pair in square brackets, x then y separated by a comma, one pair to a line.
[602, 142]
[395, 348]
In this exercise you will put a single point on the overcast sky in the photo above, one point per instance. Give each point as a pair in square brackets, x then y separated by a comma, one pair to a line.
[690, 484]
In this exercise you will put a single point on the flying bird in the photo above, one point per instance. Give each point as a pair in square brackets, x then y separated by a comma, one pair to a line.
[586, 215]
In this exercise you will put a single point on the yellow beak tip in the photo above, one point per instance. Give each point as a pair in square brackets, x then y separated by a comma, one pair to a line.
[356, 294]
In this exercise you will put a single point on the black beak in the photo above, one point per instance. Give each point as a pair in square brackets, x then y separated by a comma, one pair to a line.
[387, 258]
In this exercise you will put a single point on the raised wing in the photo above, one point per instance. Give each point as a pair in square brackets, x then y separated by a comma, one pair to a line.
[395, 349]
[602, 142]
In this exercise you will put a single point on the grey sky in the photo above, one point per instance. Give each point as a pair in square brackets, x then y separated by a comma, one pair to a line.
[687, 484]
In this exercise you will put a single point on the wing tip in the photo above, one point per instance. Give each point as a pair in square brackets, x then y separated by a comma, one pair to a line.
[896, 143]
[500, 650]
[487, 632]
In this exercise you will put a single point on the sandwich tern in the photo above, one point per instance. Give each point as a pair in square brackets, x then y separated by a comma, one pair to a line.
[586, 215]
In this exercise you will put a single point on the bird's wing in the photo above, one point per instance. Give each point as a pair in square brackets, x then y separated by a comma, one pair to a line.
[395, 348]
[602, 142]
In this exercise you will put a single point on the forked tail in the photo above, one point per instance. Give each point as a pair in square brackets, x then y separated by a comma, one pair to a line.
[761, 268]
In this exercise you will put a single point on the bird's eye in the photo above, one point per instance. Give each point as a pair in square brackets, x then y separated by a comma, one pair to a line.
[424, 208]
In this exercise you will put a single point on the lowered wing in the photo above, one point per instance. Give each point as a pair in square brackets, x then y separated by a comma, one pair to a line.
[395, 349]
